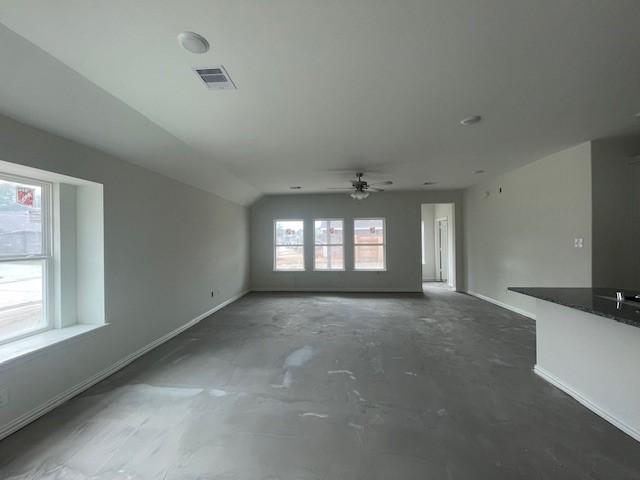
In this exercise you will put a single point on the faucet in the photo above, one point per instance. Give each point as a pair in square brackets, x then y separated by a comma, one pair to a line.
[621, 297]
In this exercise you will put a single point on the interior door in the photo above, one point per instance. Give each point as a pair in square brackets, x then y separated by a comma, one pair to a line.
[442, 252]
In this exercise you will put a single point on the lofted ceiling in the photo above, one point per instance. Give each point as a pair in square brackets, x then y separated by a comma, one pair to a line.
[326, 85]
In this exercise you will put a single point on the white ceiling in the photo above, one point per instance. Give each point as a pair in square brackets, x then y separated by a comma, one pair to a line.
[326, 85]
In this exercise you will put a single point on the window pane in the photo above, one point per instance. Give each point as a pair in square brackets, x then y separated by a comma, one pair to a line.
[369, 257]
[289, 232]
[21, 297]
[20, 219]
[337, 258]
[328, 232]
[321, 258]
[289, 258]
[335, 232]
[329, 258]
[368, 231]
[321, 228]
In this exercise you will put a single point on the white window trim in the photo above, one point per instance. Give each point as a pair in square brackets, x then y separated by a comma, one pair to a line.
[275, 246]
[384, 245]
[48, 293]
[315, 269]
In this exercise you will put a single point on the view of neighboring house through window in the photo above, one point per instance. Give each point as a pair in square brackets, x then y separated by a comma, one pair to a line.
[24, 256]
[369, 244]
[288, 245]
[329, 245]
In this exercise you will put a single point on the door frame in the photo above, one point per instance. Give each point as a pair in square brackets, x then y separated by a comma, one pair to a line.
[439, 221]
[453, 240]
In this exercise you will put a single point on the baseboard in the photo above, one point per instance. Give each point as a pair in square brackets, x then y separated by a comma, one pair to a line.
[502, 304]
[580, 398]
[335, 290]
[58, 400]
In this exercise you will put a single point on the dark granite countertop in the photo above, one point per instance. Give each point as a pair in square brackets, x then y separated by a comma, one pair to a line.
[589, 300]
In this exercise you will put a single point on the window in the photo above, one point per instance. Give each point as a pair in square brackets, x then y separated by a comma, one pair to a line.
[329, 245]
[288, 245]
[25, 256]
[369, 244]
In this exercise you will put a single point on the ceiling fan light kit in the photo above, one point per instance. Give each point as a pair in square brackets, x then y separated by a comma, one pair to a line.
[359, 195]
[360, 187]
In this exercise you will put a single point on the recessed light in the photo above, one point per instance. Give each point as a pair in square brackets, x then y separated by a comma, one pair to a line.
[296, 187]
[192, 42]
[478, 172]
[472, 120]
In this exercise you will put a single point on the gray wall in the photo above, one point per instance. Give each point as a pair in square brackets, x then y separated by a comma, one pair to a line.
[524, 236]
[616, 212]
[402, 211]
[167, 246]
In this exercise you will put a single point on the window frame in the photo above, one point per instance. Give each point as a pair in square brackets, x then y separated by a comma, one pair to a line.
[315, 269]
[46, 255]
[383, 244]
[275, 245]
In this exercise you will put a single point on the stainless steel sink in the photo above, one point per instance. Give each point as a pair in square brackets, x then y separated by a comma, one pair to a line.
[633, 303]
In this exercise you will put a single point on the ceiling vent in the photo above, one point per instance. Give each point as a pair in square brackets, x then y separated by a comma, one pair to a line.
[215, 78]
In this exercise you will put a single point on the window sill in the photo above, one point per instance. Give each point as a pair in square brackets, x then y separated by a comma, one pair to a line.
[29, 347]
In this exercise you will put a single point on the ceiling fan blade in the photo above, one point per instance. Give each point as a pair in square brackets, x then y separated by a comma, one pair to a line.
[386, 182]
[353, 170]
[376, 189]
[339, 188]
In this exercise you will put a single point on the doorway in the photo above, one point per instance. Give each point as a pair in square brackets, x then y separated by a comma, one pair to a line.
[442, 264]
[438, 245]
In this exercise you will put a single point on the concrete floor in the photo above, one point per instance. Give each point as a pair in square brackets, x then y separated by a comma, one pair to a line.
[430, 285]
[301, 386]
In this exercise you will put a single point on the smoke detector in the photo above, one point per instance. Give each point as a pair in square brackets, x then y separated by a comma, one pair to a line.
[192, 42]
[215, 78]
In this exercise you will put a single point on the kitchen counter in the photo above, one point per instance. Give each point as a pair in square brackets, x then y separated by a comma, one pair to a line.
[599, 301]
[588, 345]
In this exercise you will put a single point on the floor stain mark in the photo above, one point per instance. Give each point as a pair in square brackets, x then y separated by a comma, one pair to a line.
[315, 415]
[360, 397]
[299, 357]
[345, 372]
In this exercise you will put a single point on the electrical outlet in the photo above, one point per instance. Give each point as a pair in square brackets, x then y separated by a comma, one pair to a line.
[4, 396]
[578, 242]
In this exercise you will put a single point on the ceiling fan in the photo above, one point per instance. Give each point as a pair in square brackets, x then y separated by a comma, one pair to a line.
[361, 188]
